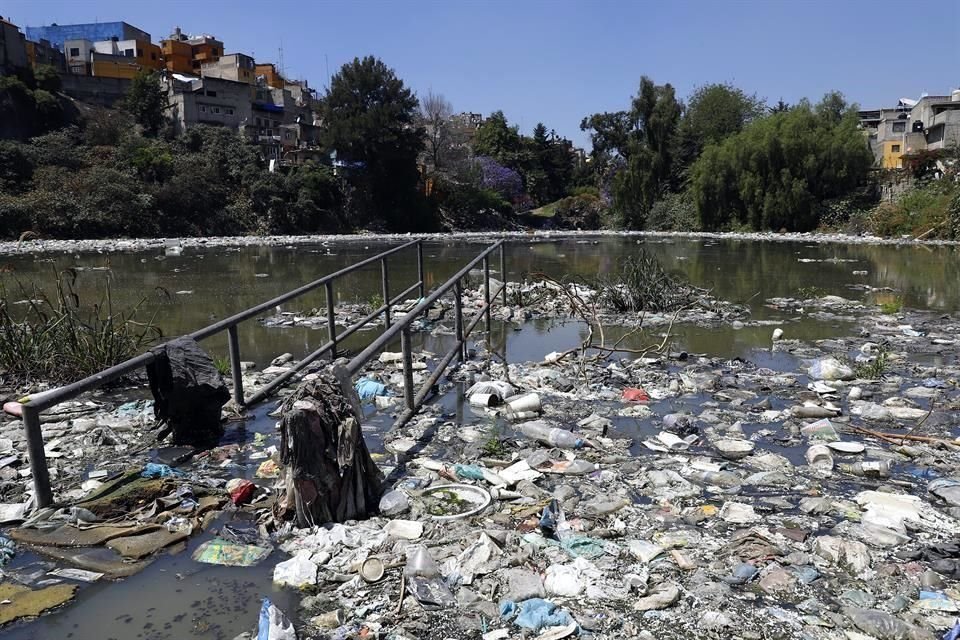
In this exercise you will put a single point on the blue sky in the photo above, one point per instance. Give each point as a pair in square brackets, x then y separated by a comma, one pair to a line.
[557, 61]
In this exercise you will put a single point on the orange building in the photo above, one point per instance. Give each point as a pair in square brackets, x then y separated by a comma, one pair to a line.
[177, 56]
[270, 75]
[185, 54]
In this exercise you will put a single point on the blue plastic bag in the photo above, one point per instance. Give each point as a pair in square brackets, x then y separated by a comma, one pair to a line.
[537, 613]
[953, 634]
[155, 470]
[273, 624]
[367, 389]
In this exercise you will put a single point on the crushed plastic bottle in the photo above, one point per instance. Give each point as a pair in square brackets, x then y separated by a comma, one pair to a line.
[552, 436]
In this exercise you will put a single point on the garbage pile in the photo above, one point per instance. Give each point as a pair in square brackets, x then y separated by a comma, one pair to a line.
[669, 496]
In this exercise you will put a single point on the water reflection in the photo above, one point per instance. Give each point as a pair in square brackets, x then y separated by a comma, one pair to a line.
[208, 284]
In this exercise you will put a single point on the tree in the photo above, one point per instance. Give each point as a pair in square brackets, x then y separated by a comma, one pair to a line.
[497, 139]
[780, 107]
[832, 107]
[146, 102]
[778, 171]
[435, 113]
[714, 113]
[641, 147]
[371, 123]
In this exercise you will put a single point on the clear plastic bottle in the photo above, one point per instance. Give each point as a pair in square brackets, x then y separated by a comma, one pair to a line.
[552, 436]
[420, 563]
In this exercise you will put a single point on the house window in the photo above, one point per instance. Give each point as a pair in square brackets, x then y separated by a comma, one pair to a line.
[216, 109]
[899, 127]
[203, 108]
[895, 148]
[212, 94]
[259, 122]
[153, 55]
[214, 51]
[128, 53]
[74, 52]
[229, 111]
[139, 52]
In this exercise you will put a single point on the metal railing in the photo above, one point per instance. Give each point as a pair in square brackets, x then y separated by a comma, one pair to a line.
[414, 399]
[32, 405]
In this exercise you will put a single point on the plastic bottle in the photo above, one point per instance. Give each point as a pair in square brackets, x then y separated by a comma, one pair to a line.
[870, 468]
[552, 436]
[717, 478]
[420, 563]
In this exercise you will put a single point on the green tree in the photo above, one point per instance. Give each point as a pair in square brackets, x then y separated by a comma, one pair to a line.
[777, 172]
[371, 124]
[715, 112]
[498, 140]
[47, 78]
[146, 102]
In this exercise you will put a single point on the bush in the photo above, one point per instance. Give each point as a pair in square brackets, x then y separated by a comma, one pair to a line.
[581, 211]
[15, 167]
[674, 212]
[58, 339]
[918, 211]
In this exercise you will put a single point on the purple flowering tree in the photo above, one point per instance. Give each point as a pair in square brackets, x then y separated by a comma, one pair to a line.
[498, 178]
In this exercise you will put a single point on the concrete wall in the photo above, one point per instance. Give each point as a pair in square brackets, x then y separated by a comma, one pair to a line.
[102, 91]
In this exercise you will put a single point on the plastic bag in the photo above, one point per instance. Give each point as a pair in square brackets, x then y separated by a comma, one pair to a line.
[154, 470]
[367, 389]
[830, 369]
[298, 571]
[393, 503]
[535, 614]
[274, 625]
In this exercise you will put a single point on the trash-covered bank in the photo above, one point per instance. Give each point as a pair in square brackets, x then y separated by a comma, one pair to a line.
[662, 495]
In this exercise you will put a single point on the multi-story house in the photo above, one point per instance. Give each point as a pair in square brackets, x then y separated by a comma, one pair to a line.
[188, 54]
[207, 100]
[13, 50]
[44, 53]
[236, 67]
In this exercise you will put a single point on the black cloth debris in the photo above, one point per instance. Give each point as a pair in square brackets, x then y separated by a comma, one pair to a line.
[188, 393]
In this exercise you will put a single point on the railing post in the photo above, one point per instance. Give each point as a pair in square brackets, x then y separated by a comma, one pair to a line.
[423, 286]
[458, 320]
[38, 458]
[331, 320]
[233, 344]
[405, 348]
[503, 274]
[386, 292]
[486, 291]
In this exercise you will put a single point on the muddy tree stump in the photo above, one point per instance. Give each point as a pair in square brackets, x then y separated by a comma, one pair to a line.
[330, 476]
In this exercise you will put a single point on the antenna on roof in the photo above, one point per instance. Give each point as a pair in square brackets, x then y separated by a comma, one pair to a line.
[281, 57]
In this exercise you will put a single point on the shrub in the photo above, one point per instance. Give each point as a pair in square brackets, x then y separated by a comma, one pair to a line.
[918, 211]
[674, 212]
[59, 339]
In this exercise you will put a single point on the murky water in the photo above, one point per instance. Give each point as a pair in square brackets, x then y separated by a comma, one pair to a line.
[205, 285]
[178, 598]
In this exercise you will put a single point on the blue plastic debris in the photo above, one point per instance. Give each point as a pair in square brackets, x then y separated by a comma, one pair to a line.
[368, 389]
[7, 550]
[155, 470]
[535, 614]
[274, 625]
[954, 633]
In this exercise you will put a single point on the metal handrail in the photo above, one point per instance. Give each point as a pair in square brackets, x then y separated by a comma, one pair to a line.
[33, 404]
[414, 399]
